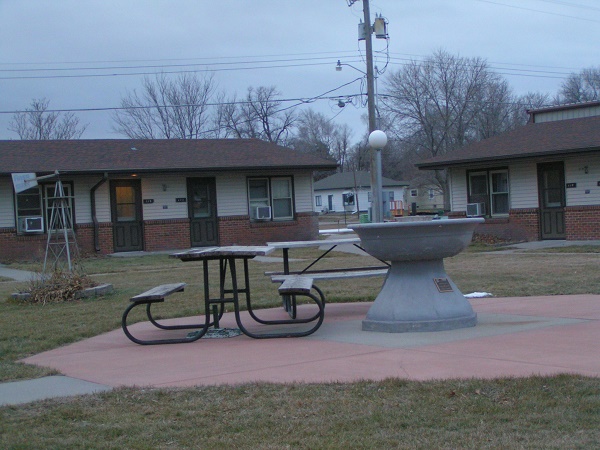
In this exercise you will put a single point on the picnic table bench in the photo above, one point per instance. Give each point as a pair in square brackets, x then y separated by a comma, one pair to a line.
[156, 295]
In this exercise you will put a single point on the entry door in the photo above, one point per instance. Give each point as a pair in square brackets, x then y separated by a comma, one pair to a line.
[551, 183]
[202, 207]
[126, 205]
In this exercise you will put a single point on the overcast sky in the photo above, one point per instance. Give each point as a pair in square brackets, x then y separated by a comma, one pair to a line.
[88, 54]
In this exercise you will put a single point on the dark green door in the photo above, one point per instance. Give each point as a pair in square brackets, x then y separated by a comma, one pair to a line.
[202, 207]
[126, 207]
[551, 186]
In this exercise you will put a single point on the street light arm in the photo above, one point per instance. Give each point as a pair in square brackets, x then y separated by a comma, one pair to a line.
[339, 65]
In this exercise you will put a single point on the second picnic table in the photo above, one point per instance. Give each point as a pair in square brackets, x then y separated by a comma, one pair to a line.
[289, 302]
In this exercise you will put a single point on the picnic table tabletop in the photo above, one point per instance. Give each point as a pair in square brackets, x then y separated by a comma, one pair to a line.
[315, 243]
[241, 251]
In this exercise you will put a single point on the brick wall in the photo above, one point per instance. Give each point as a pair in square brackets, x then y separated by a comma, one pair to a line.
[85, 238]
[239, 230]
[525, 224]
[521, 225]
[166, 234]
[32, 247]
[15, 247]
[582, 222]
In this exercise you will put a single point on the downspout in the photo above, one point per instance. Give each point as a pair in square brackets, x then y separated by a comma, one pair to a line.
[93, 206]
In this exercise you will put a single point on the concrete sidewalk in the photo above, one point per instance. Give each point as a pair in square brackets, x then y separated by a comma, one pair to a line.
[516, 337]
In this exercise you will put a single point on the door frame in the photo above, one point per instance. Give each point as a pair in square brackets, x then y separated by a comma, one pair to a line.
[138, 222]
[551, 218]
[213, 218]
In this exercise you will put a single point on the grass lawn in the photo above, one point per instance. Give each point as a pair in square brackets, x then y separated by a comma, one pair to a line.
[554, 412]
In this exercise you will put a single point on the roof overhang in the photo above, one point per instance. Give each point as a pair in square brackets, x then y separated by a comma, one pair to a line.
[440, 165]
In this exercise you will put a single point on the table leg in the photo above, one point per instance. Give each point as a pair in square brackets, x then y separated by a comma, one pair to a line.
[289, 302]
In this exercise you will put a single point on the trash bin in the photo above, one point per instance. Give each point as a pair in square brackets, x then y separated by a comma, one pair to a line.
[364, 218]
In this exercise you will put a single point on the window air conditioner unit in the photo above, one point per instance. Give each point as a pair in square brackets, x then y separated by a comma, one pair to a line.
[263, 212]
[475, 209]
[34, 224]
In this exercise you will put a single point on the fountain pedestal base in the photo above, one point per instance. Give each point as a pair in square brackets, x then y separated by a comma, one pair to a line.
[419, 296]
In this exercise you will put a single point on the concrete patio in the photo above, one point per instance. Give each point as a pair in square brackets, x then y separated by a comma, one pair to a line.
[515, 337]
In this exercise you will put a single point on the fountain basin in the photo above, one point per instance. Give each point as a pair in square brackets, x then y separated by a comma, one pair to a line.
[417, 294]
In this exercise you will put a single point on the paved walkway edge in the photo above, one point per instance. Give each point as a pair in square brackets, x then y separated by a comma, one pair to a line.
[25, 391]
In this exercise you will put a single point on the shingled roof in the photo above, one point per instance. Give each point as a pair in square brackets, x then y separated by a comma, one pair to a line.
[161, 155]
[532, 140]
[349, 180]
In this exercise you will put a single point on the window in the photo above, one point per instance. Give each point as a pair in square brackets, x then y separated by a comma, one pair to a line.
[318, 200]
[499, 191]
[414, 193]
[431, 194]
[34, 208]
[28, 206]
[348, 198]
[275, 192]
[491, 188]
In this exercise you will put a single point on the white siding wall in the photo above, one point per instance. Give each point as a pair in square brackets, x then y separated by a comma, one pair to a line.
[587, 191]
[7, 210]
[577, 113]
[232, 196]
[458, 189]
[81, 192]
[303, 192]
[165, 205]
[523, 185]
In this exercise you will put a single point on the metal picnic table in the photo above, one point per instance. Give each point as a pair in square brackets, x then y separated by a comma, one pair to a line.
[232, 285]
[289, 302]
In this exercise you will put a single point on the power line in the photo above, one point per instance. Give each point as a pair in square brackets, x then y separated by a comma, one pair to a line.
[299, 101]
[162, 66]
[538, 11]
[336, 53]
[207, 70]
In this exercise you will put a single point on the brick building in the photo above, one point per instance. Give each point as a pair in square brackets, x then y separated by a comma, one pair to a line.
[131, 195]
[540, 181]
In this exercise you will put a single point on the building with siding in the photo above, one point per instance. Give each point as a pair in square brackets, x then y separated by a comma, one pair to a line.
[351, 192]
[131, 195]
[540, 181]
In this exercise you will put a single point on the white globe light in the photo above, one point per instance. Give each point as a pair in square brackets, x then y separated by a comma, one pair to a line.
[377, 139]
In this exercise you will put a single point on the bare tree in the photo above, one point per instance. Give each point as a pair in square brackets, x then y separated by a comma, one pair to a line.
[341, 146]
[168, 109]
[37, 123]
[581, 87]
[444, 102]
[318, 135]
[259, 116]
[315, 134]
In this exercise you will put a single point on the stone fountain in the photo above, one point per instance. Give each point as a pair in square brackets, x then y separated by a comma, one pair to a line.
[417, 294]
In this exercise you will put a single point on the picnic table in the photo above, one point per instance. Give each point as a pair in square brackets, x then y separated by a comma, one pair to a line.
[328, 245]
[232, 286]
[289, 301]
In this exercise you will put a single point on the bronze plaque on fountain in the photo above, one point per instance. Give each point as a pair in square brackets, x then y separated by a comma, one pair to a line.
[443, 284]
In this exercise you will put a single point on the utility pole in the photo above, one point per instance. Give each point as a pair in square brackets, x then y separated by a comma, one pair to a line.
[376, 200]
[376, 189]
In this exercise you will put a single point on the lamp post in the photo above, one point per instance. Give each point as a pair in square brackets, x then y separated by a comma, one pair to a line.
[377, 140]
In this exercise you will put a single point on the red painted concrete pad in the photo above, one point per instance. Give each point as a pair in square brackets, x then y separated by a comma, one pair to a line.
[515, 337]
